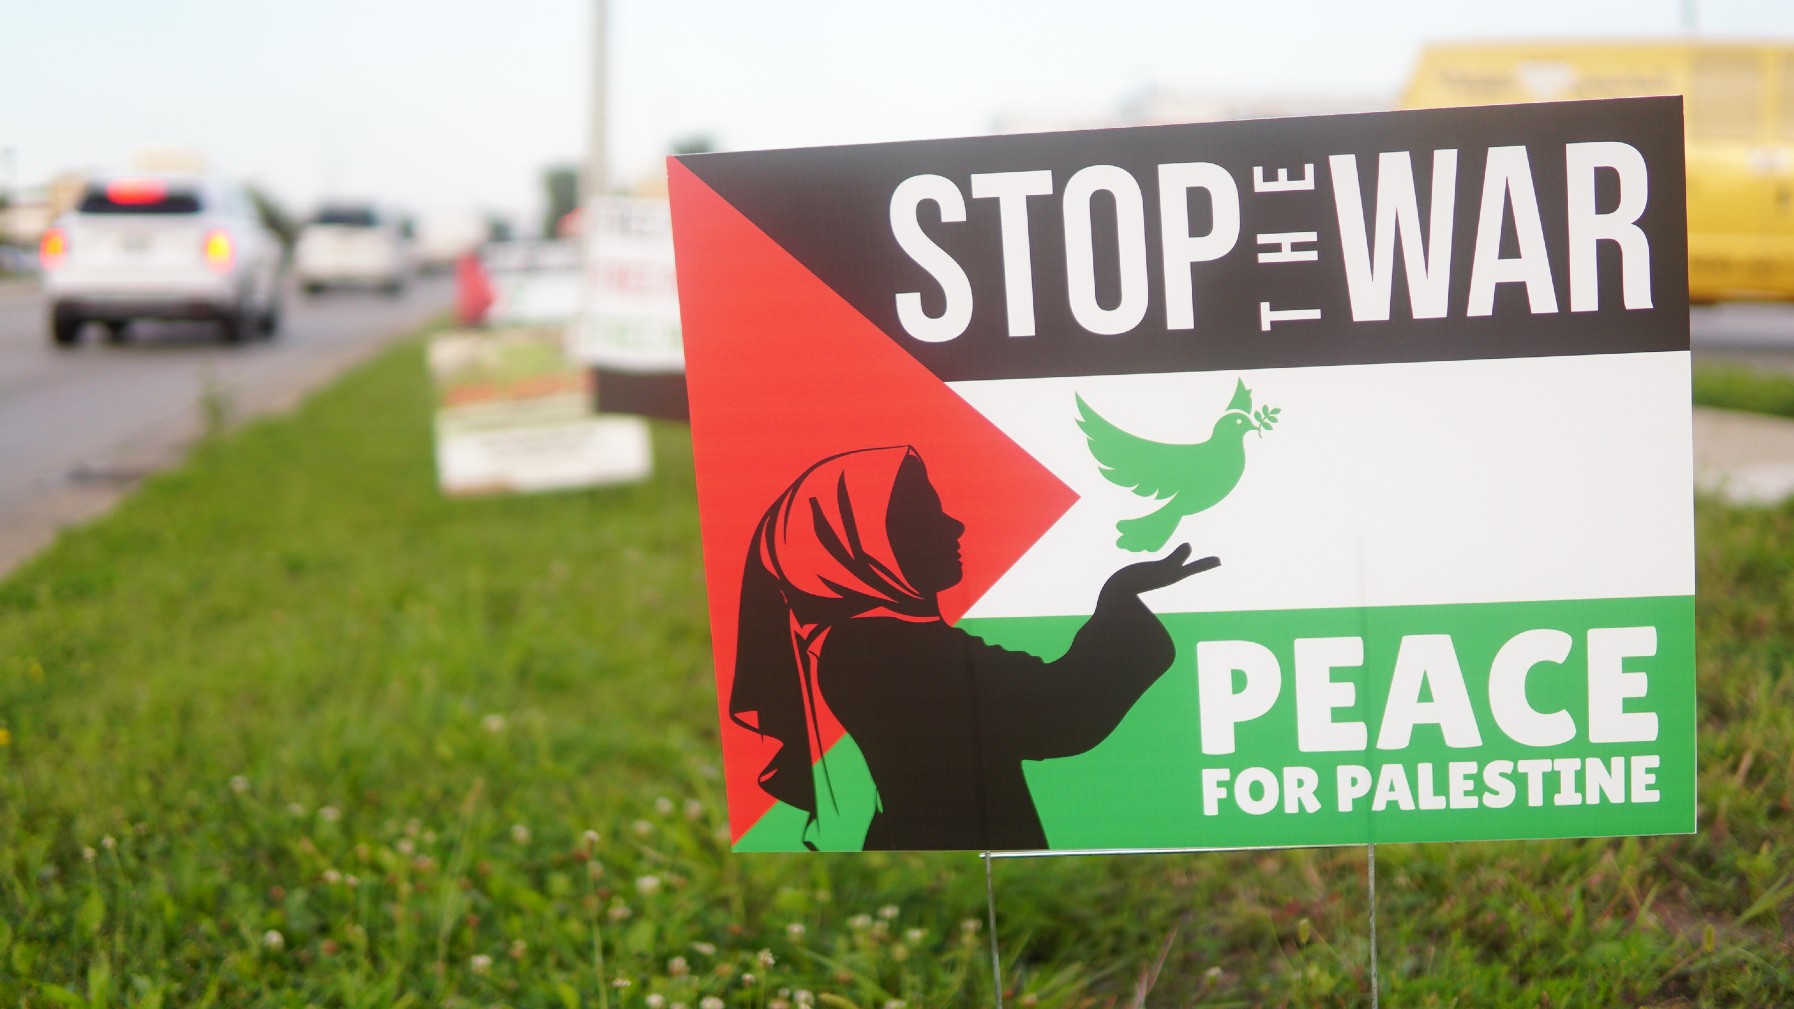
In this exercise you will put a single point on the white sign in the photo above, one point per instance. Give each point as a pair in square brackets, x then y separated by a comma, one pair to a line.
[514, 415]
[631, 308]
[533, 282]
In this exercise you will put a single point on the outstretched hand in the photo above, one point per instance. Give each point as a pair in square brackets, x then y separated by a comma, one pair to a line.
[1170, 569]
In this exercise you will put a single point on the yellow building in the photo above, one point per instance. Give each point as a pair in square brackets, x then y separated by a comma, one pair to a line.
[1739, 117]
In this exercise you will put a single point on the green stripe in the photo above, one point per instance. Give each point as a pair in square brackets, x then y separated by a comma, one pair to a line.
[1142, 787]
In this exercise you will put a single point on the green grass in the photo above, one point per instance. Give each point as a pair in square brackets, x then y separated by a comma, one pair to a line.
[1736, 387]
[290, 729]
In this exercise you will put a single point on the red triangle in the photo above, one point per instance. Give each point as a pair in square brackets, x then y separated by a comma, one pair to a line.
[782, 373]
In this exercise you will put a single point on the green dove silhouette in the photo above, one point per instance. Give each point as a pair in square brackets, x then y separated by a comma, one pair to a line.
[1188, 478]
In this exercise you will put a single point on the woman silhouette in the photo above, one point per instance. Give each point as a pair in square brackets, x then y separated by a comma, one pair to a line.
[840, 599]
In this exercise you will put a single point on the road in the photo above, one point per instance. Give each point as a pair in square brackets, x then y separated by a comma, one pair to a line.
[1758, 334]
[80, 427]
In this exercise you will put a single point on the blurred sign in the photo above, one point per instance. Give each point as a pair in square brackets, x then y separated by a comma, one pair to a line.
[534, 282]
[629, 329]
[514, 414]
[631, 317]
[1418, 379]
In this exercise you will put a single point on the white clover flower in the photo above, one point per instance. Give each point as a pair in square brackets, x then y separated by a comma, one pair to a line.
[889, 912]
[896, 1003]
[274, 940]
[88, 854]
[710, 1002]
[480, 963]
[914, 935]
[332, 877]
[108, 843]
[970, 926]
[765, 957]
[655, 1001]
[518, 949]
[330, 814]
[694, 810]
[795, 930]
[405, 847]
[519, 833]
[860, 922]
[706, 948]
[802, 996]
[642, 828]
[663, 806]
[295, 809]
[621, 982]
[619, 912]
[591, 838]
[351, 880]
[678, 967]
[493, 723]
[239, 784]
[647, 886]
[747, 980]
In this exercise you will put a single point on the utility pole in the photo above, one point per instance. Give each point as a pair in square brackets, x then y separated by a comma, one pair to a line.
[596, 178]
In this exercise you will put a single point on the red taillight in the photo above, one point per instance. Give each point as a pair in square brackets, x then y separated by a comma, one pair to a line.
[220, 251]
[54, 248]
[135, 192]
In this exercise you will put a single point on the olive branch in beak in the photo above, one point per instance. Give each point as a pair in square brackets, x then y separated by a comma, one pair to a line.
[1264, 418]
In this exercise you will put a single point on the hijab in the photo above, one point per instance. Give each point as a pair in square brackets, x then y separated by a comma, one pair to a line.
[820, 555]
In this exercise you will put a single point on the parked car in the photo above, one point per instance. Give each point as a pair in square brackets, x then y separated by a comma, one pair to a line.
[354, 245]
[161, 247]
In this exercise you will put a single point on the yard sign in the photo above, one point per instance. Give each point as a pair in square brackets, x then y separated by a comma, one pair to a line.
[1419, 381]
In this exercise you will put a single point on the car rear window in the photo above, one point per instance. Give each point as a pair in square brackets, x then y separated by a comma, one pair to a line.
[352, 217]
[139, 196]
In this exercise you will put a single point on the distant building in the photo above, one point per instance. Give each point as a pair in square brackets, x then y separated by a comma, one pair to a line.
[26, 217]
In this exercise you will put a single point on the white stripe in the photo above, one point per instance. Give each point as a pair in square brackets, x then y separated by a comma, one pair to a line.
[1382, 485]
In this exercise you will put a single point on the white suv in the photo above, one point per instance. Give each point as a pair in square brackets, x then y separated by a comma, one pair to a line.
[353, 245]
[161, 247]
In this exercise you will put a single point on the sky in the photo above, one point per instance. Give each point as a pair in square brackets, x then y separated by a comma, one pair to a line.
[451, 105]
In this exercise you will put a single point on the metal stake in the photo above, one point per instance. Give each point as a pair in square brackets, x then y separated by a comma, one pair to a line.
[990, 904]
[1374, 986]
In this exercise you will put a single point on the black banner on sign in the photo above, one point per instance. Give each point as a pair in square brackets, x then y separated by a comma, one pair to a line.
[1518, 231]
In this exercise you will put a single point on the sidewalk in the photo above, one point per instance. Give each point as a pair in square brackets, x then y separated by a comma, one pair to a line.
[1746, 458]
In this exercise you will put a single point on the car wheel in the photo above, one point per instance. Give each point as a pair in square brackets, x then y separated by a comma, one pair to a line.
[117, 331]
[65, 327]
[269, 323]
